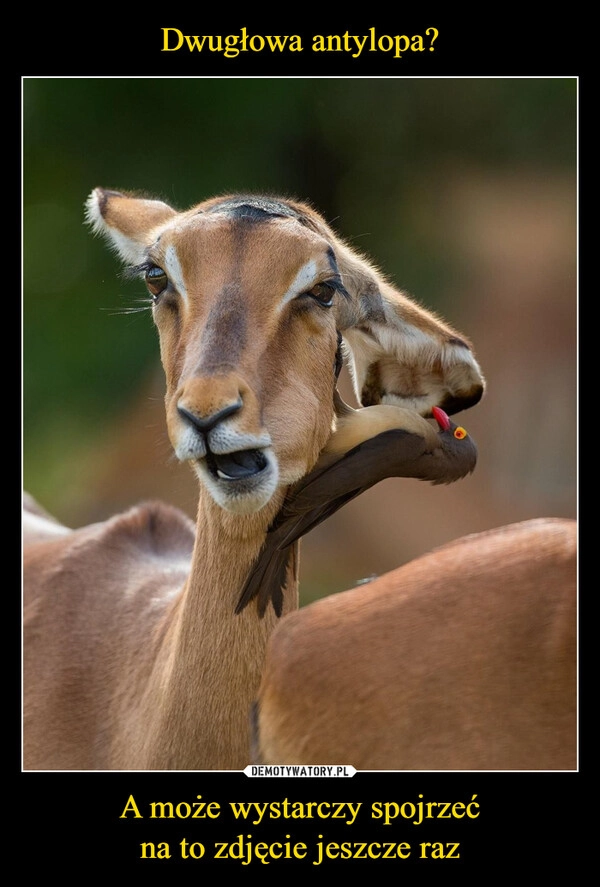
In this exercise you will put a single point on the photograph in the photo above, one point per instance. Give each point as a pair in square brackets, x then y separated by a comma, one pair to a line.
[299, 443]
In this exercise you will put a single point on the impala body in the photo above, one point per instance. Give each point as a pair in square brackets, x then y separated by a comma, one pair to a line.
[134, 655]
[463, 659]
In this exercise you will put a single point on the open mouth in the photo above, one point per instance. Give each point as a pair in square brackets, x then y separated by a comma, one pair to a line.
[236, 466]
[241, 482]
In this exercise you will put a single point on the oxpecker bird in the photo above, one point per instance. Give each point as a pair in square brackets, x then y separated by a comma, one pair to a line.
[367, 446]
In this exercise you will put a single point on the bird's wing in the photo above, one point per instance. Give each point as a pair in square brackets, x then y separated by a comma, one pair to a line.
[322, 492]
[319, 495]
[339, 476]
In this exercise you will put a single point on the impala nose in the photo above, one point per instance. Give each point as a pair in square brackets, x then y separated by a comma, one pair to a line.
[204, 424]
[214, 416]
[228, 456]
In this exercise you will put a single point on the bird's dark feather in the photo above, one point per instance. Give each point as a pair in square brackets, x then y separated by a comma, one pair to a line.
[393, 453]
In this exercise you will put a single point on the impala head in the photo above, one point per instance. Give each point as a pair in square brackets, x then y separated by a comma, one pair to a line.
[248, 295]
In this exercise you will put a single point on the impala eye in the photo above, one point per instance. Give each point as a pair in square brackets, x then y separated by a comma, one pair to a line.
[156, 281]
[322, 293]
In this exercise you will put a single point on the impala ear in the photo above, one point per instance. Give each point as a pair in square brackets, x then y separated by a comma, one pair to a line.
[129, 222]
[400, 353]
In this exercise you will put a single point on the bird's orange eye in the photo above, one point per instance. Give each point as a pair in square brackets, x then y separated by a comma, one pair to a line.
[460, 432]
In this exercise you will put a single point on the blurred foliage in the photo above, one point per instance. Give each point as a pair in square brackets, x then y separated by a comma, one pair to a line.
[369, 153]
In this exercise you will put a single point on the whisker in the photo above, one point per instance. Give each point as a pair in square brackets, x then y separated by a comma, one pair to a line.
[143, 305]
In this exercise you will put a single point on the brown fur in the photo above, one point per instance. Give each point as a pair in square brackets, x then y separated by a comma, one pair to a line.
[464, 659]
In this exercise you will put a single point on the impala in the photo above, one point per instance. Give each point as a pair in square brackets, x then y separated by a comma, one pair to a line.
[135, 657]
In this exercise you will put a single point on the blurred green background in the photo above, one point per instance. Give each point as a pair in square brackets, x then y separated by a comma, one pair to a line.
[462, 190]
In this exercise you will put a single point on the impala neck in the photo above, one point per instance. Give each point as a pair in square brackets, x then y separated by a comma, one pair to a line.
[215, 657]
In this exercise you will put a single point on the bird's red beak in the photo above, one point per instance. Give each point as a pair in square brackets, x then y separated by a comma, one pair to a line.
[441, 418]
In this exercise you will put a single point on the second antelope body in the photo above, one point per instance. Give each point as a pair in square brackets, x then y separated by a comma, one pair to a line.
[135, 656]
